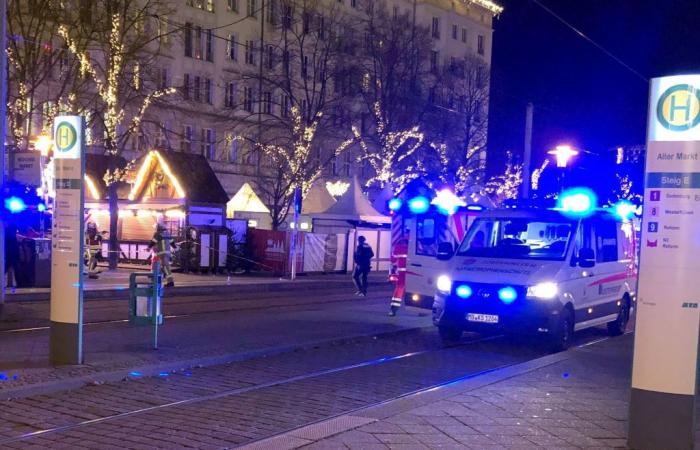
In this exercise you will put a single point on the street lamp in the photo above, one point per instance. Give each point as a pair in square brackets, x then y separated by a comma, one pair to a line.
[563, 153]
[43, 143]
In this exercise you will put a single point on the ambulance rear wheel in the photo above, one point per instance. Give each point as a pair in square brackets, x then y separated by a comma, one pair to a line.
[619, 325]
[450, 334]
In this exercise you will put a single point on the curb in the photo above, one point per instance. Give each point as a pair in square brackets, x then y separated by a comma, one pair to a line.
[314, 432]
[152, 370]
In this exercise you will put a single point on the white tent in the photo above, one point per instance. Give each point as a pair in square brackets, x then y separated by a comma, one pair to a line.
[245, 200]
[353, 206]
[318, 199]
[381, 203]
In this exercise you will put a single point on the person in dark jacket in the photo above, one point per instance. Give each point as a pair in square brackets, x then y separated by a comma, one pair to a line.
[363, 261]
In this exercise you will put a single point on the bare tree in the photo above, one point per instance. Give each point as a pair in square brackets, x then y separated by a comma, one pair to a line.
[394, 84]
[456, 124]
[124, 40]
[42, 75]
[298, 84]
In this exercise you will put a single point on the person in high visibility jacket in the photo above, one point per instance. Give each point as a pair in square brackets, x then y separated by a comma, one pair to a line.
[160, 246]
[399, 258]
[93, 245]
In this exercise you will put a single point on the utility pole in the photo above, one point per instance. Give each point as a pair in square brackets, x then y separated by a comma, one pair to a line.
[260, 83]
[527, 152]
[3, 133]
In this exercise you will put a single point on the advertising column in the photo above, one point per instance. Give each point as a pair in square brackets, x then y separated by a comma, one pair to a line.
[66, 336]
[664, 375]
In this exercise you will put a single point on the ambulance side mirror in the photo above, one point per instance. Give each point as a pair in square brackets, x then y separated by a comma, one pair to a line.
[445, 251]
[586, 258]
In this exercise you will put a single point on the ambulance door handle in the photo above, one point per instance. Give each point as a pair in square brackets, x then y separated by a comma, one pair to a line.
[416, 265]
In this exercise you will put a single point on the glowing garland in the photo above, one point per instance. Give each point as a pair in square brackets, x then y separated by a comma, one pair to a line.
[141, 176]
[92, 188]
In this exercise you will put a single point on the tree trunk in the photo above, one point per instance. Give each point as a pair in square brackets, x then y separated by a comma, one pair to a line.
[113, 226]
[113, 195]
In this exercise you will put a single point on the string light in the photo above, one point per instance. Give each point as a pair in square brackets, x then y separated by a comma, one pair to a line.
[92, 188]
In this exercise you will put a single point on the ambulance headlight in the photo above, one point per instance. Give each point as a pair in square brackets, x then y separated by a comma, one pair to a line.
[444, 284]
[545, 291]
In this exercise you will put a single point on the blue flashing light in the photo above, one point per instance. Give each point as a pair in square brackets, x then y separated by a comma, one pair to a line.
[15, 204]
[395, 204]
[475, 208]
[577, 202]
[625, 210]
[135, 374]
[507, 295]
[463, 291]
[41, 207]
[419, 205]
[447, 202]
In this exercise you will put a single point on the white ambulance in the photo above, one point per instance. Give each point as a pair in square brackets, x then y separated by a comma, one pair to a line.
[537, 271]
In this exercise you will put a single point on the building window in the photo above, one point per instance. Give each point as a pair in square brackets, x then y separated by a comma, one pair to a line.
[188, 39]
[206, 5]
[230, 95]
[248, 99]
[198, 42]
[285, 106]
[305, 66]
[250, 52]
[252, 8]
[186, 142]
[480, 45]
[321, 27]
[232, 48]
[161, 140]
[434, 60]
[232, 5]
[209, 54]
[346, 164]
[464, 35]
[334, 165]
[436, 28]
[272, 12]
[163, 31]
[270, 56]
[208, 94]
[208, 144]
[396, 12]
[197, 92]
[266, 103]
[186, 86]
[454, 32]
[164, 79]
[287, 16]
[353, 3]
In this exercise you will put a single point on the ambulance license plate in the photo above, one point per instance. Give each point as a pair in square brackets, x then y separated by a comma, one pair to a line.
[483, 318]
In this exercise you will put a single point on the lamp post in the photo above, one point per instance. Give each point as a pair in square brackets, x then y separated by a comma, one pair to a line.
[562, 154]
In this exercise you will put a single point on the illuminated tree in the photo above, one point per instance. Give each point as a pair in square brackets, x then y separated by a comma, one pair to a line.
[293, 97]
[505, 186]
[124, 40]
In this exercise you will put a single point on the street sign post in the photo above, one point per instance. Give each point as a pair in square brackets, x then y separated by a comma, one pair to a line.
[664, 376]
[68, 240]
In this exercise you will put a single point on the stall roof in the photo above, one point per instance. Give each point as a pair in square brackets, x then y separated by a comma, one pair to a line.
[246, 200]
[318, 199]
[353, 206]
[192, 175]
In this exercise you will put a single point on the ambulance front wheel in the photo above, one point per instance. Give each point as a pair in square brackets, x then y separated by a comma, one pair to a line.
[450, 334]
[563, 335]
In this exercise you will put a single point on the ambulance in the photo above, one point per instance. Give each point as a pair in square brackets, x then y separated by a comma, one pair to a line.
[538, 271]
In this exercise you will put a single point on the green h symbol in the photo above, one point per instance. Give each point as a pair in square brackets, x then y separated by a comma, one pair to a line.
[674, 108]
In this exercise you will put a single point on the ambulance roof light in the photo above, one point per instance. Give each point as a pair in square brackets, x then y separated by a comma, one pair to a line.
[395, 204]
[419, 205]
[447, 202]
[577, 202]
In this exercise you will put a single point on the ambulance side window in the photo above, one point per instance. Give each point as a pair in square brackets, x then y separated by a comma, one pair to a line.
[426, 242]
[606, 241]
[584, 239]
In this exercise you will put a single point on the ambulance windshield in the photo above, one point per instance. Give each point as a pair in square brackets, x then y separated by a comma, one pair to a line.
[519, 238]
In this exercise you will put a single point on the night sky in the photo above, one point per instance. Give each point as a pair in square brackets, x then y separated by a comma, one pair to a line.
[582, 96]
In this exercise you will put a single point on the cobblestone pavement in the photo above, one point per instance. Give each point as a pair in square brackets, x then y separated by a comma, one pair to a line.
[242, 329]
[229, 405]
[580, 402]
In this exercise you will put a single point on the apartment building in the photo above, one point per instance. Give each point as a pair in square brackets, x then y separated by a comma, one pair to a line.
[219, 111]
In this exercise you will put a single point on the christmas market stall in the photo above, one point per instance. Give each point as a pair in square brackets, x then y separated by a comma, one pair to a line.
[178, 190]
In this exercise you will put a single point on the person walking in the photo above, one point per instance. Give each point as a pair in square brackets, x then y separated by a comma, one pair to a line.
[93, 245]
[363, 261]
[161, 245]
